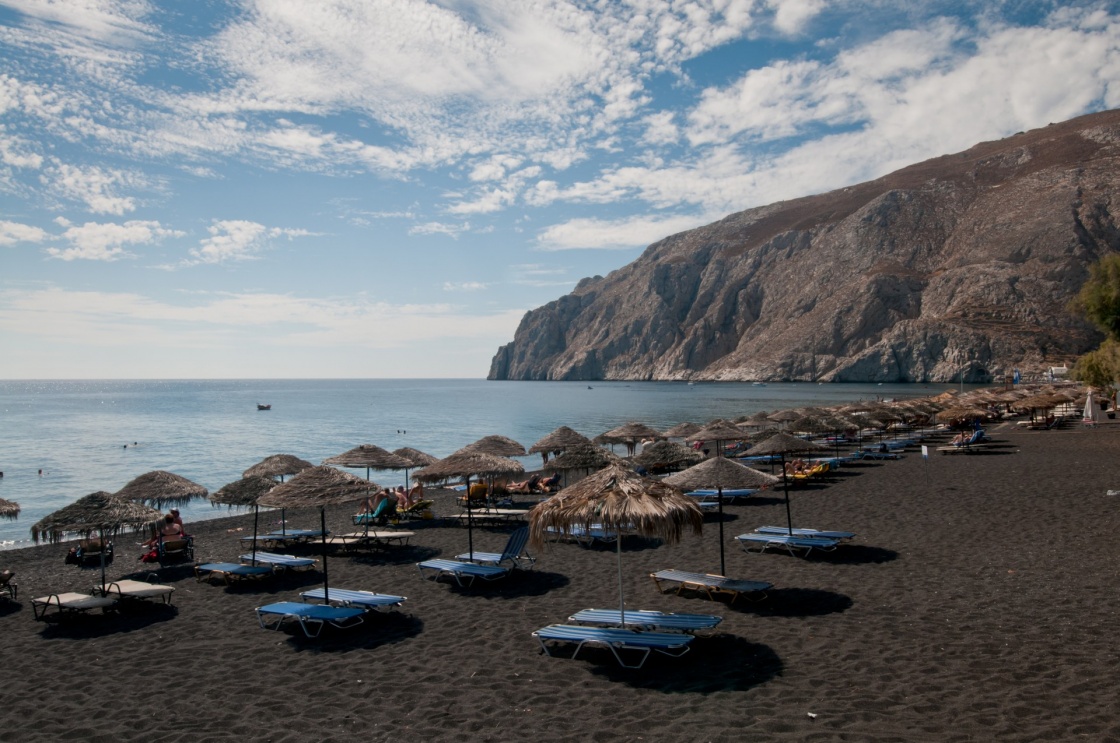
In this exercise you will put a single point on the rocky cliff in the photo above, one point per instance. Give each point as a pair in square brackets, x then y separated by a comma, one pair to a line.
[965, 261]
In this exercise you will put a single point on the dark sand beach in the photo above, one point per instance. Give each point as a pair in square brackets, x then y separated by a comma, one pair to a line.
[978, 603]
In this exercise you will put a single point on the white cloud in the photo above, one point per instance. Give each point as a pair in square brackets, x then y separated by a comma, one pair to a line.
[464, 286]
[14, 233]
[439, 228]
[238, 240]
[95, 241]
[96, 187]
[616, 234]
[790, 16]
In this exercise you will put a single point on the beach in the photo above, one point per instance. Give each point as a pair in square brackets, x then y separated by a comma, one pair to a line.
[977, 603]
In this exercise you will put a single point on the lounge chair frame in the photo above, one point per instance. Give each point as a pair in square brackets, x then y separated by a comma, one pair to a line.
[231, 572]
[616, 640]
[71, 603]
[712, 585]
[793, 544]
[310, 616]
[650, 621]
[461, 571]
[367, 600]
[514, 553]
[136, 590]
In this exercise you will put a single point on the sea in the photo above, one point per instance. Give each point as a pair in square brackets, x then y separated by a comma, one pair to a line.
[61, 440]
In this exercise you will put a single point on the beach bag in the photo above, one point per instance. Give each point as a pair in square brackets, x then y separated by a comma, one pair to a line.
[152, 556]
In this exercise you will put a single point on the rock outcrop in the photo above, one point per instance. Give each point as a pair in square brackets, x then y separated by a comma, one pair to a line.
[966, 261]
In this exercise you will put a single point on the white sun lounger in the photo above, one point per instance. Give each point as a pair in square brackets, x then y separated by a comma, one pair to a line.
[367, 600]
[462, 571]
[278, 561]
[792, 544]
[656, 621]
[839, 536]
[310, 616]
[615, 640]
[712, 585]
[137, 589]
[70, 603]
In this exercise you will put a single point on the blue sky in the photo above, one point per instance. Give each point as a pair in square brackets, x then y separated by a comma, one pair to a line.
[334, 188]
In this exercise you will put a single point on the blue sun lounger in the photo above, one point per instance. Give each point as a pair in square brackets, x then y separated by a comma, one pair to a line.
[278, 561]
[791, 544]
[514, 553]
[839, 536]
[655, 621]
[461, 571]
[367, 600]
[705, 495]
[583, 535]
[229, 571]
[310, 616]
[615, 640]
[713, 585]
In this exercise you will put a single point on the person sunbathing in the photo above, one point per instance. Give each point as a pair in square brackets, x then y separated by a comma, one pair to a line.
[547, 484]
[524, 486]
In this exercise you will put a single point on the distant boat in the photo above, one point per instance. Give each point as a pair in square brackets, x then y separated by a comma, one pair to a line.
[262, 406]
[590, 387]
[759, 384]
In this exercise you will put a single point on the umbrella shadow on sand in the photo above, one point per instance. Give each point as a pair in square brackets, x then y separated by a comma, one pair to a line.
[722, 662]
[133, 616]
[854, 554]
[376, 630]
[518, 584]
[395, 555]
[281, 583]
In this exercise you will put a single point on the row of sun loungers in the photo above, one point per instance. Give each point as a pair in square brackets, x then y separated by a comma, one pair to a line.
[104, 597]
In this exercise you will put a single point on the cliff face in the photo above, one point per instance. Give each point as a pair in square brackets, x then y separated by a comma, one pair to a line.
[970, 257]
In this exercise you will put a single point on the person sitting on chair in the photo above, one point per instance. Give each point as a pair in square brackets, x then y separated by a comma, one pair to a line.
[166, 529]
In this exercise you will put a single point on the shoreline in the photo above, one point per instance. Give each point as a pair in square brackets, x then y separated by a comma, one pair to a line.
[976, 603]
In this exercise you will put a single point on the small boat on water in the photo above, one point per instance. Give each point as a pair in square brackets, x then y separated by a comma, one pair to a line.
[262, 406]
[759, 384]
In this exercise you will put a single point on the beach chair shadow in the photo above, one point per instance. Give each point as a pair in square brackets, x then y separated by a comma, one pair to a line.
[128, 617]
[854, 554]
[402, 555]
[722, 662]
[378, 630]
[796, 602]
[518, 584]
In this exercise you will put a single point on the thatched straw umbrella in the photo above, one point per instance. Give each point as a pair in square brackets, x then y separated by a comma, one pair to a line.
[619, 499]
[416, 458]
[681, 430]
[586, 457]
[464, 464]
[630, 434]
[782, 444]
[720, 473]
[9, 509]
[98, 512]
[498, 446]
[317, 486]
[244, 493]
[369, 456]
[720, 433]
[559, 440]
[159, 489]
[278, 465]
[784, 416]
[667, 454]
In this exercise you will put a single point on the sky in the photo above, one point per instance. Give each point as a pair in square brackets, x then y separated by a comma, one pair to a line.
[383, 188]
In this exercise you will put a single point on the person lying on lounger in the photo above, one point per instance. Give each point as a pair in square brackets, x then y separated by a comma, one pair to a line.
[524, 486]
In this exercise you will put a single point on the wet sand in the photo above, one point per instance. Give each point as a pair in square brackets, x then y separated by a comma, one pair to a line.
[977, 603]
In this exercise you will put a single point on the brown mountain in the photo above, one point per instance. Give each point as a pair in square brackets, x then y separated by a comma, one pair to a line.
[964, 261]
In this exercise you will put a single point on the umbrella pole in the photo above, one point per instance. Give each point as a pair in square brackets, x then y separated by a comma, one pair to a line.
[283, 521]
[101, 533]
[323, 529]
[256, 518]
[785, 487]
[470, 520]
[719, 500]
[621, 596]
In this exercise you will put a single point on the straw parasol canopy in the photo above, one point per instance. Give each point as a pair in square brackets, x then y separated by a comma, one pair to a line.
[499, 446]
[720, 473]
[559, 440]
[465, 463]
[961, 414]
[278, 465]
[681, 430]
[585, 457]
[722, 431]
[101, 512]
[784, 416]
[667, 454]
[159, 488]
[783, 444]
[9, 509]
[244, 492]
[320, 486]
[415, 457]
[317, 486]
[370, 456]
[618, 499]
[630, 434]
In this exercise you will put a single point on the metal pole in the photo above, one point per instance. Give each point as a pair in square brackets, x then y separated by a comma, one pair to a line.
[785, 487]
[719, 500]
[621, 596]
[323, 529]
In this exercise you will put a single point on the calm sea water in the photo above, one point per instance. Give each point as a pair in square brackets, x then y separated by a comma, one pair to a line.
[76, 432]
